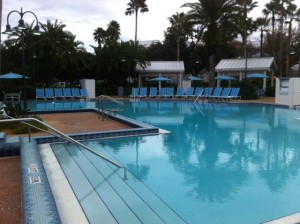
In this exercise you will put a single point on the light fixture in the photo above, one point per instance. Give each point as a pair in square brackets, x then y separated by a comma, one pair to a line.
[36, 30]
[8, 30]
[21, 25]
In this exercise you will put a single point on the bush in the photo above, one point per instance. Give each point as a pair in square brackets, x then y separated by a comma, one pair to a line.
[270, 91]
[248, 91]
[15, 110]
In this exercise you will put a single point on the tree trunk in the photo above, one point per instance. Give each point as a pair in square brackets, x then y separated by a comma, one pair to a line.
[178, 46]
[136, 23]
[211, 77]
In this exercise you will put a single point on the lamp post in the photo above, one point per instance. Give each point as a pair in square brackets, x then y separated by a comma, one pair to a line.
[21, 27]
[298, 74]
[33, 68]
[129, 65]
[246, 71]
[261, 41]
[288, 47]
[197, 67]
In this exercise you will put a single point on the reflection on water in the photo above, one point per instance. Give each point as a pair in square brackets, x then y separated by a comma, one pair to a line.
[240, 162]
[60, 105]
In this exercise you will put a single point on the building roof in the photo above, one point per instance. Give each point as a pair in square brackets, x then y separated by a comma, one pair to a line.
[253, 64]
[162, 66]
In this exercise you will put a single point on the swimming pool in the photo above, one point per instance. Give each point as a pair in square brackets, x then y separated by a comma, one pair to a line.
[221, 163]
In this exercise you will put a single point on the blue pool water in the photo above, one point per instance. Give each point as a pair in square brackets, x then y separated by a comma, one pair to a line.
[221, 163]
[60, 105]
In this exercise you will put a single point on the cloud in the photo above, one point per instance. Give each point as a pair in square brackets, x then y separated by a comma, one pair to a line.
[82, 17]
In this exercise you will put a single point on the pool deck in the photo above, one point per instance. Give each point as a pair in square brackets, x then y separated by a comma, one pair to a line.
[74, 124]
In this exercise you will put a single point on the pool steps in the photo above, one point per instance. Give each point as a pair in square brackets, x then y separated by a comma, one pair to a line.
[9, 146]
[118, 201]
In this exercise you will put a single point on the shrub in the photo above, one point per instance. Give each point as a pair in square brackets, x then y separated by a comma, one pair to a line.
[15, 110]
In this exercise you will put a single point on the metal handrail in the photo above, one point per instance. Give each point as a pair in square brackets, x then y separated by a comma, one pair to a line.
[102, 98]
[61, 135]
[198, 96]
[112, 99]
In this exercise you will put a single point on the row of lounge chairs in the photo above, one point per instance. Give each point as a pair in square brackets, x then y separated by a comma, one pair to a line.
[219, 93]
[61, 93]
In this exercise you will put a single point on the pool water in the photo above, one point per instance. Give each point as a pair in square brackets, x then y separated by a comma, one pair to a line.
[60, 105]
[222, 163]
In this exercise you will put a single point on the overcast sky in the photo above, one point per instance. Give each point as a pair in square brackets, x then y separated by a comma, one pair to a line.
[82, 17]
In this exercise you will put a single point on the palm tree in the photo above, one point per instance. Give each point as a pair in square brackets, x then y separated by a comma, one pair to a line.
[246, 6]
[100, 36]
[181, 28]
[272, 8]
[209, 15]
[60, 50]
[134, 6]
[111, 34]
[261, 23]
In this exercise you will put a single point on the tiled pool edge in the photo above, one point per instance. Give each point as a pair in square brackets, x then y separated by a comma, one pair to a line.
[38, 202]
[137, 128]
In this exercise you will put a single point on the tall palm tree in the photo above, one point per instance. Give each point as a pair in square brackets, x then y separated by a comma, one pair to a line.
[59, 49]
[271, 10]
[181, 28]
[262, 23]
[209, 15]
[134, 6]
[246, 6]
[99, 36]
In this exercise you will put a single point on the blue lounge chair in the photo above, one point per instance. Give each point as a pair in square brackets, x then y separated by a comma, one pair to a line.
[84, 94]
[49, 94]
[58, 93]
[40, 94]
[224, 93]
[153, 92]
[143, 92]
[189, 92]
[234, 94]
[170, 92]
[207, 92]
[217, 92]
[68, 93]
[180, 92]
[163, 92]
[198, 91]
[134, 93]
[76, 93]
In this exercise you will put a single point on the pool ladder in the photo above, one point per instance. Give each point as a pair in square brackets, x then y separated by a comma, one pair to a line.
[105, 112]
[3, 119]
